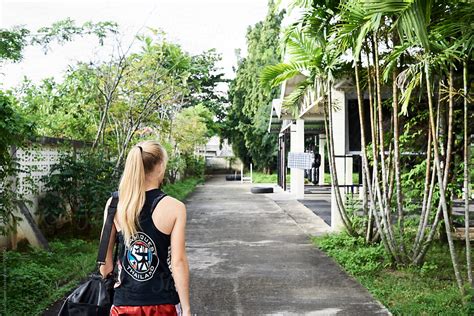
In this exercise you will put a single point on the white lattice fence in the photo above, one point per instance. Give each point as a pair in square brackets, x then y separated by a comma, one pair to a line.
[34, 162]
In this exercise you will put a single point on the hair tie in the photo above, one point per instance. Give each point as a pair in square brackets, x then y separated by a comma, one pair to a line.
[141, 149]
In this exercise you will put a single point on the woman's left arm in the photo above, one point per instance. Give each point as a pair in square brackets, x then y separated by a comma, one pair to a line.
[108, 267]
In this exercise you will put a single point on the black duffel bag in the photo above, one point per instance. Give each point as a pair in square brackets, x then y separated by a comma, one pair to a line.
[95, 296]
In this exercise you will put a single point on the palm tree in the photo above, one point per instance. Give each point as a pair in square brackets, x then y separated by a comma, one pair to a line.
[313, 56]
[414, 46]
[419, 22]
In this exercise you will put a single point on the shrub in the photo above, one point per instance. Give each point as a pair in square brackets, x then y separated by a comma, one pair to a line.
[352, 253]
[182, 188]
[77, 188]
[13, 130]
[36, 278]
[195, 166]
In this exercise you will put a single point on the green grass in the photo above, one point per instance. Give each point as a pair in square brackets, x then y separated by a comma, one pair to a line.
[355, 178]
[260, 177]
[37, 278]
[181, 189]
[427, 290]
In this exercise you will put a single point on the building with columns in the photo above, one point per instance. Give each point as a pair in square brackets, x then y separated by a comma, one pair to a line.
[305, 133]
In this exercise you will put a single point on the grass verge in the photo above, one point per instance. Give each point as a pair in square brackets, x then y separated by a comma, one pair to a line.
[37, 278]
[427, 290]
[260, 177]
[182, 188]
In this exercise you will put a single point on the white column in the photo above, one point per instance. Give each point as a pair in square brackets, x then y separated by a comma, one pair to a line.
[322, 144]
[339, 134]
[297, 145]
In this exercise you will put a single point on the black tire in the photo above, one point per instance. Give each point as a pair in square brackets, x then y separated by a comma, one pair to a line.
[261, 190]
[232, 177]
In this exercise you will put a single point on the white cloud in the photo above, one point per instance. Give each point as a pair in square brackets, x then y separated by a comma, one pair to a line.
[195, 24]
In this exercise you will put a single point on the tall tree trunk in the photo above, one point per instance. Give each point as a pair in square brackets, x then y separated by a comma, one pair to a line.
[380, 219]
[442, 191]
[108, 94]
[419, 257]
[365, 162]
[102, 122]
[383, 189]
[334, 180]
[396, 157]
[466, 178]
[380, 120]
[425, 206]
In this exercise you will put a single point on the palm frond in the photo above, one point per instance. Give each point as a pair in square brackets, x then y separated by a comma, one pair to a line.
[274, 75]
[294, 100]
[302, 48]
[413, 17]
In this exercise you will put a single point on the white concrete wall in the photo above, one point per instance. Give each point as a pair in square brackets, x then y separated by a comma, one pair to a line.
[35, 162]
[297, 145]
[343, 165]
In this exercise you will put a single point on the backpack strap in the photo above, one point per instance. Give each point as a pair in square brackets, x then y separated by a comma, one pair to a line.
[107, 230]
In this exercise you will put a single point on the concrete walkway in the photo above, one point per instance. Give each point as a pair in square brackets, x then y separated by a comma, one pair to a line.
[250, 254]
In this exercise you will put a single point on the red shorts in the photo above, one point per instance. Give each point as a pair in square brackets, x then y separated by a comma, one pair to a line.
[147, 310]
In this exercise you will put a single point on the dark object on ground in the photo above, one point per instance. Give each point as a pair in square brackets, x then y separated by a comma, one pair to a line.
[92, 298]
[261, 190]
[233, 177]
[95, 296]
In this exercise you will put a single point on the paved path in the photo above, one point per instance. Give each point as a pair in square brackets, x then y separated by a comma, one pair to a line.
[250, 256]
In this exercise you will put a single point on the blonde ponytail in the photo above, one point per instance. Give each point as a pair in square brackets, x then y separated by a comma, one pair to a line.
[141, 160]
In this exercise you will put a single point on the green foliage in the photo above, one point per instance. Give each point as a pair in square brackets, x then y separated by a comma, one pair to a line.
[247, 121]
[182, 188]
[352, 253]
[65, 110]
[36, 278]
[13, 130]
[190, 128]
[65, 30]
[129, 97]
[425, 290]
[176, 165]
[203, 81]
[195, 166]
[14, 40]
[76, 189]
[260, 177]
[12, 43]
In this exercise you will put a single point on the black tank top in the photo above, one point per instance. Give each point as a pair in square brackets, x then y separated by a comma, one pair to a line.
[144, 275]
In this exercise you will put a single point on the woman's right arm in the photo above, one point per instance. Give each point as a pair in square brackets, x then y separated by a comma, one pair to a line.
[179, 260]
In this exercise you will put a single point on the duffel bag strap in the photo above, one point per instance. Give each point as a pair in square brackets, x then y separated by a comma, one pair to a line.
[107, 230]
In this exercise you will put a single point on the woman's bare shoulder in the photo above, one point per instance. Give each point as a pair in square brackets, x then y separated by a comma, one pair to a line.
[171, 202]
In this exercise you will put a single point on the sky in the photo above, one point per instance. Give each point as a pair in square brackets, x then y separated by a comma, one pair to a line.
[197, 25]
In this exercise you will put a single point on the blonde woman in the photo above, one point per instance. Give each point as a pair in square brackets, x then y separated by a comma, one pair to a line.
[153, 272]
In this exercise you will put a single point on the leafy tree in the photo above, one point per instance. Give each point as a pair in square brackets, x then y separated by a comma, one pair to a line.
[190, 128]
[76, 189]
[247, 122]
[203, 83]
[14, 128]
[14, 40]
[415, 48]
[62, 109]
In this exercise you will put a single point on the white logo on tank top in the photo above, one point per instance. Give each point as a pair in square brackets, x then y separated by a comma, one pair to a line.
[141, 259]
